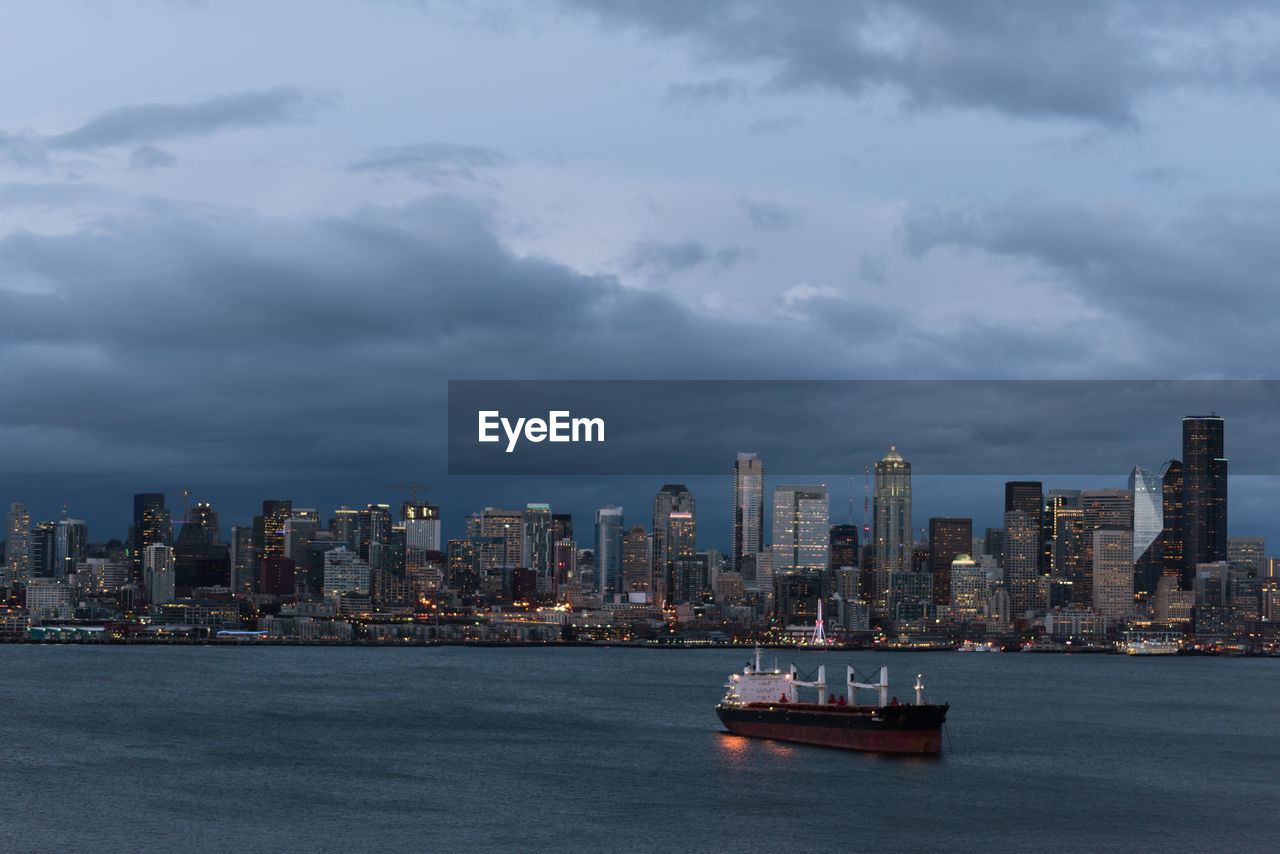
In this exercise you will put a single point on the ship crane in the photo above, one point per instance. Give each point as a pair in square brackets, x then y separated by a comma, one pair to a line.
[882, 686]
[820, 683]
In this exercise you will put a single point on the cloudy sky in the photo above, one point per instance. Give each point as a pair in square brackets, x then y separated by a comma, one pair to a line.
[244, 246]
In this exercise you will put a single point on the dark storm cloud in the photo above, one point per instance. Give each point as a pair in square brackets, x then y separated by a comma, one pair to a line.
[666, 258]
[1089, 60]
[432, 162]
[768, 216]
[139, 124]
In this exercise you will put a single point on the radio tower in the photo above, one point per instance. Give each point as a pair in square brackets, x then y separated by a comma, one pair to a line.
[866, 503]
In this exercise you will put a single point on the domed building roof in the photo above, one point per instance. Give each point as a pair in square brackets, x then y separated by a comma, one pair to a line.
[893, 456]
[962, 557]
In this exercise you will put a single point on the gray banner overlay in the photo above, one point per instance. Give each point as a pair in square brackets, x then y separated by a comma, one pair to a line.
[952, 427]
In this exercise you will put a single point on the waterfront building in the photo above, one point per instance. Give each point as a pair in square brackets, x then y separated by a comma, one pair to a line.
[967, 587]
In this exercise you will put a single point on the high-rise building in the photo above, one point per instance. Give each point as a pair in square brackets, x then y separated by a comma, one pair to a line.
[1021, 562]
[501, 540]
[801, 529]
[1113, 572]
[843, 547]
[748, 508]
[275, 513]
[18, 539]
[891, 522]
[948, 537]
[672, 498]
[158, 577]
[685, 577]
[373, 524]
[537, 545]
[42, 550]
[609, 550]
[1204, 493]
[968, 587]
[1065, 525]
[1247, 556]
[244, 560]
[345, 572]
[1028, 496]
[562, 526]
[345, 525]
[1147, 489]
[1103, 508]
[1172, 558]
[71, 546]
[635, 560]
[151, 524]
[463, 563]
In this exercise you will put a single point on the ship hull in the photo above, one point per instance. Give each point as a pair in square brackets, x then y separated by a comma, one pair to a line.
[905, 729]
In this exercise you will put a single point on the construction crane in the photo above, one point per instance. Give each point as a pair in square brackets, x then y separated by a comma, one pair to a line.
[186, 495]
[415, 486]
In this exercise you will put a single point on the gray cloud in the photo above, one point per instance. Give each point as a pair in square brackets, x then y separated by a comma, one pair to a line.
[775, 124]
[1090, 60]
[1173, 281]
[664, 259]
[769, 216]
[148, 157]
[433, 162]
[706, 92]
[143, 123]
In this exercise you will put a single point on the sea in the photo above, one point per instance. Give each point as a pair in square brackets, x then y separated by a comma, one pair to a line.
[262, 748]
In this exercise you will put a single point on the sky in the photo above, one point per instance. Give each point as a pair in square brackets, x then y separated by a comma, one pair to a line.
[243, 247]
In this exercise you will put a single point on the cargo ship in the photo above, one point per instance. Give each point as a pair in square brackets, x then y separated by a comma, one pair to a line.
[765, 704]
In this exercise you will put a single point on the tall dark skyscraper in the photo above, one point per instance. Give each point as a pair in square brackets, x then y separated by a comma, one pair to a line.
[1171, 555]
[1204, 493]
[844, 547]
[948, 537]
[1028, 496]
[275, 513]
[151, 525]
[674, 539]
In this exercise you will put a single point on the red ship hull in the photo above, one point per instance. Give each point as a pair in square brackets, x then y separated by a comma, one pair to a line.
[905, 729]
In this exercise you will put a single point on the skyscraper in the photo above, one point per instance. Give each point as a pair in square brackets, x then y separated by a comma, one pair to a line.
[1021, 562]
[151, 524]
[844, 547]
[1028, 496]
[71, 545]
[748, 508]
[609, 550]
[158, 577]
[18, 536]
[1204, 493]
[635, 560]
[672, 498]
[1148, 524]
[1113, 572]
[1172, 557]
[537, 545]
[891, 535]
[948, 537]
[801, 529]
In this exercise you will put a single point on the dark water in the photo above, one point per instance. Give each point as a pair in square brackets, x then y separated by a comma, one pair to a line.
[326, 749]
